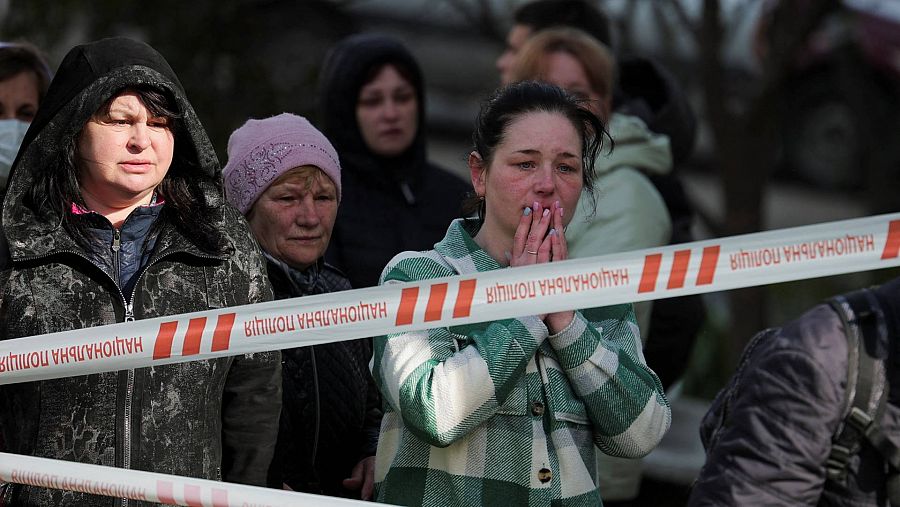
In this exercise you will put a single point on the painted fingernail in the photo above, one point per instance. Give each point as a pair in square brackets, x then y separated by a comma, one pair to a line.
[527, 211]
[546, 212]
[535, 205]
[561, 212]
[553, 232]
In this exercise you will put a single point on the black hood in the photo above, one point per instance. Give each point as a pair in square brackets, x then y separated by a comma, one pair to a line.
[87, 77]
[650, 92]
[343, 75]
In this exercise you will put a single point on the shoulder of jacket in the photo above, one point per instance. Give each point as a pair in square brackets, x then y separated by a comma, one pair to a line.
[238, 233]
[817, 333]
[413, 266]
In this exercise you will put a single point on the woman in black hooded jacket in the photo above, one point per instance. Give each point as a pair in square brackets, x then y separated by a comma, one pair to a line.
[115, 212]
[394, 199]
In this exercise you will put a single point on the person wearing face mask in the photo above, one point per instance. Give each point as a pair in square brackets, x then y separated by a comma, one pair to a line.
[285, 177]
[372, 107]
[24, 78]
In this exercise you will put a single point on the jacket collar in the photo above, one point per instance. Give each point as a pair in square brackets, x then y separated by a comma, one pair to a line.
[299, 282]
[460, 251]
[36, 239]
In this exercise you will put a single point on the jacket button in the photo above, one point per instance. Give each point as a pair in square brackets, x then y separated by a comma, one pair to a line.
[537, 408]
[544, 475]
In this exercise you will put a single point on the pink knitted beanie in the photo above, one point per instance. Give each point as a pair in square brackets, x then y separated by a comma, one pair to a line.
[262, 150]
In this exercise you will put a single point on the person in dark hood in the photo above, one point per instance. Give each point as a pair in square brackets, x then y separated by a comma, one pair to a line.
[372, 107]
[115, 212]
[284, 175]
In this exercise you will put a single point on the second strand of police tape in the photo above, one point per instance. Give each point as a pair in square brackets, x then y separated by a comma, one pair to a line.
[151, 487]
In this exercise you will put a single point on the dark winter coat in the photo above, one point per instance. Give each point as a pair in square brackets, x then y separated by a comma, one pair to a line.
[332, 410]
[770, 446]
[647, 90]
[212, 419]
[388, 205]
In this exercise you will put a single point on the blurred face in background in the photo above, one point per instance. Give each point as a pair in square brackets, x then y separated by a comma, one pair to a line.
[565, 71]
[19, 97]
[514, 42]
[294, 217]
[387, 112]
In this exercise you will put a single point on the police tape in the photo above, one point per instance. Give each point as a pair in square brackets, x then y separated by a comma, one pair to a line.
[150, 486]
[691, 268]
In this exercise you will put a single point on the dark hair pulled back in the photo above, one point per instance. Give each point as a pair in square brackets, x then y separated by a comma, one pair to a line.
[511, 102]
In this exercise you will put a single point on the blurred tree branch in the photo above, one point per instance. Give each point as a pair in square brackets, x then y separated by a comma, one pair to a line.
[743, 137]
[480, 14]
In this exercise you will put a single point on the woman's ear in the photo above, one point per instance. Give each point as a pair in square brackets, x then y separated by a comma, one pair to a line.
[478, 172]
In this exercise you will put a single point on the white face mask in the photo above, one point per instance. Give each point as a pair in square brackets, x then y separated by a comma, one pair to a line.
[11, 133]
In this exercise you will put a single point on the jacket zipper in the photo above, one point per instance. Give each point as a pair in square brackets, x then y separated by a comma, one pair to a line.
[129, 382]
[116, 245]
[128, 307]
[129, 386]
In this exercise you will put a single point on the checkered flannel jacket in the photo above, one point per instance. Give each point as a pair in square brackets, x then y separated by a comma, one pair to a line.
[502, 413]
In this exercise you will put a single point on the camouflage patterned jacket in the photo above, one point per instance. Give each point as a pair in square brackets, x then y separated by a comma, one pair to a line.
[213, 419]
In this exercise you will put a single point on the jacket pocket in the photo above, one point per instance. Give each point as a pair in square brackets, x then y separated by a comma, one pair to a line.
[517, 401]
[563, 403]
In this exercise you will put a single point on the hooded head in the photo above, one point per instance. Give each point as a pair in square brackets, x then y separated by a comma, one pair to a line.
[43, 183]
[350, 65]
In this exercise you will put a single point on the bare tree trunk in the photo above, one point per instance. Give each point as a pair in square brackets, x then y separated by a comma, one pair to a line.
[743, 172]
[744, 139]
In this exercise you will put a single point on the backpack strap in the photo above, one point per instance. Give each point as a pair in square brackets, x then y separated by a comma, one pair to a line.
[867, 341]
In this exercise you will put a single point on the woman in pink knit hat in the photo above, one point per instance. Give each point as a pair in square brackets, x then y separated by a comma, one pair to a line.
[285, 177]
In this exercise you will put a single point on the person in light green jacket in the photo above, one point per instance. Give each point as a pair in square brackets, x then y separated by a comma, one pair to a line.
[624, 211]
[630, 213]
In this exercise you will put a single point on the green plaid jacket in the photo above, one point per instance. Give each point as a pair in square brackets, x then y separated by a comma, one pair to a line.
[502, 413]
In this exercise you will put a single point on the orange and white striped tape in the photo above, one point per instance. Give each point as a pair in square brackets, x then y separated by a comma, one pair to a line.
[691, 268]
[151, 487]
